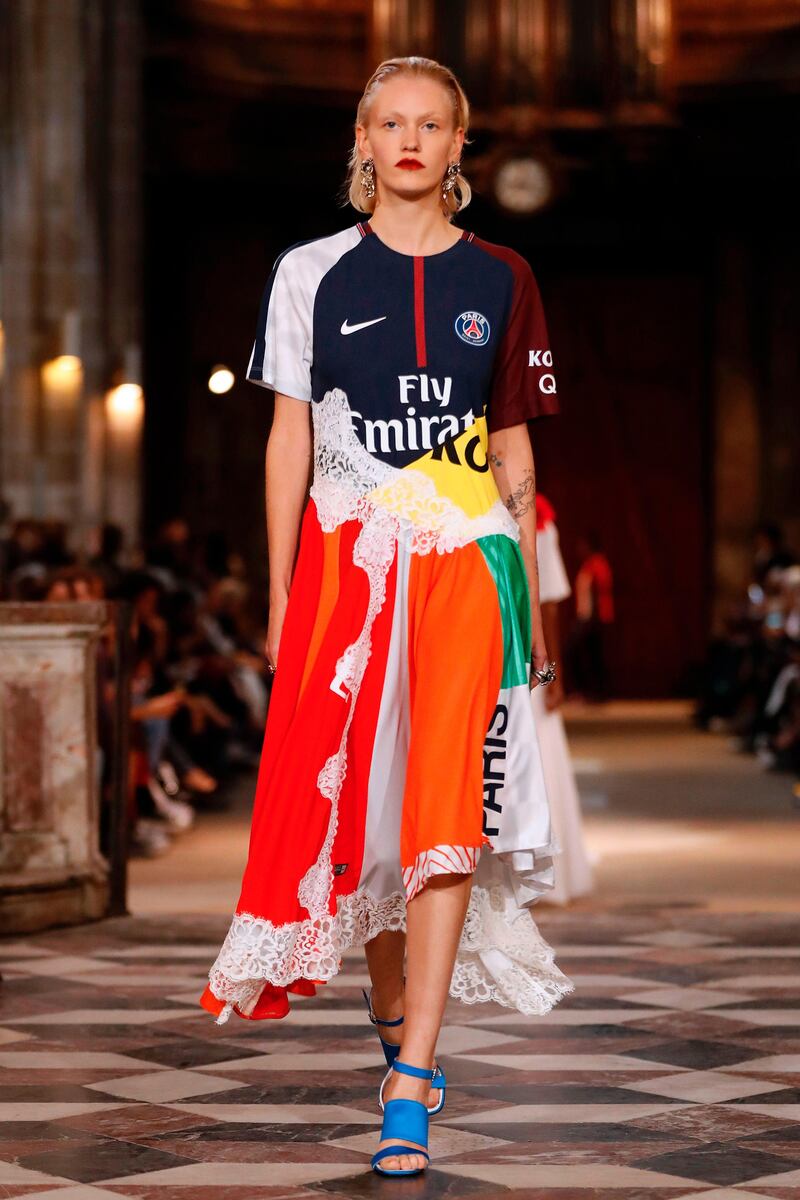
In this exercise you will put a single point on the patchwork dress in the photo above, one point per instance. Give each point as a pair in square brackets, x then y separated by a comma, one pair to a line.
[400, 741]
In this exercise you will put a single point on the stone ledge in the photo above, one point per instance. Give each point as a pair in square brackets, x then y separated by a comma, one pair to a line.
[37, 880]
[31, 908]
[73, 614]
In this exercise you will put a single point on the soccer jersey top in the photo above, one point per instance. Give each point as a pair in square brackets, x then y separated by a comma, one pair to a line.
[424, 346]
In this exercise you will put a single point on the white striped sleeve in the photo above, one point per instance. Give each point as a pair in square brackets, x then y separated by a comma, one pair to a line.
[282, 351]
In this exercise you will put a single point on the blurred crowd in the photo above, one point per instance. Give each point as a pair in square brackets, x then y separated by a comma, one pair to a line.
[752, 678]
[197, 673]
[198, 688]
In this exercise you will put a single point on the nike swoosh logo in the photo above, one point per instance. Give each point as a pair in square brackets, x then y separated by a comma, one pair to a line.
[363, 325]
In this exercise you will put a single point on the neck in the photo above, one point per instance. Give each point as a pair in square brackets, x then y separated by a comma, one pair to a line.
[412, 229]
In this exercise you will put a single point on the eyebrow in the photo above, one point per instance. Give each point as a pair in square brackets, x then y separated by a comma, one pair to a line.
[424, 116]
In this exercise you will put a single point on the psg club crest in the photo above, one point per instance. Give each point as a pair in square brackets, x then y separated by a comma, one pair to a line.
[473, 328]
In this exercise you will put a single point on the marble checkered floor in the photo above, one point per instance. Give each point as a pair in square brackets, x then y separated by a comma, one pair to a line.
[672, 1071]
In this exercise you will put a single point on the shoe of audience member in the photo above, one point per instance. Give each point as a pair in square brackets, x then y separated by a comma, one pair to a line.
[168, 778]
[198, 780]
[177, 814]
[149, 838]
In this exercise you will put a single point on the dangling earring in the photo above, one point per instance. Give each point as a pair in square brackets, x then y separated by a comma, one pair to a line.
[450, 177]
[368, 177]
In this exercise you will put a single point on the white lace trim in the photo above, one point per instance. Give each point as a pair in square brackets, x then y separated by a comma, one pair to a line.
[500, 960]
[439, 860]
[503, 957]
[349, 483]
[256, 951]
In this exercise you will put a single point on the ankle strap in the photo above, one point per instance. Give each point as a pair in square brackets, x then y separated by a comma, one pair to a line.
[377, 1020]
[406, 1069]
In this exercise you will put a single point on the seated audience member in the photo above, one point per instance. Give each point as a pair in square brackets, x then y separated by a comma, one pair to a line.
[752, 670]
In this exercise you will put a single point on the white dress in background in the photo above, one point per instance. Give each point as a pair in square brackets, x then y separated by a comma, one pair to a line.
[573, 873]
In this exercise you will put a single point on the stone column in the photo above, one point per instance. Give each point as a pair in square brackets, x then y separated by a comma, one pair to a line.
[51, 869]
[70, 256]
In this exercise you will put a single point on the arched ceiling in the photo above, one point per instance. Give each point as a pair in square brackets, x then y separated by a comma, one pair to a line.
[217, 69]
[329, 46]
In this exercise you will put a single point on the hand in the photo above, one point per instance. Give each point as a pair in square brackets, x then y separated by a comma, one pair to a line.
[277, 614]
[538, 655]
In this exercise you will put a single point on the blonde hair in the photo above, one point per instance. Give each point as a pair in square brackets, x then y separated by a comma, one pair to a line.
[352, 190]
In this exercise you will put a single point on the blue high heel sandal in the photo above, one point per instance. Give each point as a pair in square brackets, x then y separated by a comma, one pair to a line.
[391, 1051]
[404, 1121]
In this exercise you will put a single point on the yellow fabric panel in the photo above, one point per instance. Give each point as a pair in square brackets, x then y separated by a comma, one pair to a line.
[457, 472]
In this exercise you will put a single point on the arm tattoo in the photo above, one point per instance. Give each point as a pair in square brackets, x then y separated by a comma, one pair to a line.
[496, 459]
[523, 498]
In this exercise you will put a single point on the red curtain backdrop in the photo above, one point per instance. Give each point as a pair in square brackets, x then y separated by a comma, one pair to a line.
[628, 458]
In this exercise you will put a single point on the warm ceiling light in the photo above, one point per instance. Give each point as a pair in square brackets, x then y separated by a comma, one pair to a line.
[220, 380]
[63, 364]
[125, 400]
[65, 348]
[62, 377]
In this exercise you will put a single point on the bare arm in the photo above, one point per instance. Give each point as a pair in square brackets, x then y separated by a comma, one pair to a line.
[511, 460]
[288, 468]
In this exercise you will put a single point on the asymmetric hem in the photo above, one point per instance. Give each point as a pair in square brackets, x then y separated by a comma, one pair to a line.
[400, 741]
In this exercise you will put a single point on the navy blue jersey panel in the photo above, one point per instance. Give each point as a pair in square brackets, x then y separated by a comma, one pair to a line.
[408, 349]
[422, 345]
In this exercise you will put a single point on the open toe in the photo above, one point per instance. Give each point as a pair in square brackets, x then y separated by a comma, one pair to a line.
[404, 1135]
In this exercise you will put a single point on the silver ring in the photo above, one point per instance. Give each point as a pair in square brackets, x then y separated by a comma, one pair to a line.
[547, 674]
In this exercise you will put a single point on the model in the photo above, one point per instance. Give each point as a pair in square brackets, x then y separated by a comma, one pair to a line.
[400, 801]
[573, 872]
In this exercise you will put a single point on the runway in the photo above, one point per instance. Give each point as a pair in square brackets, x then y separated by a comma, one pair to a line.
[673, 1070]
[672, 815]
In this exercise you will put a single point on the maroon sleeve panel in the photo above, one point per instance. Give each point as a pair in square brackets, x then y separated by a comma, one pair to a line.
[523, 383]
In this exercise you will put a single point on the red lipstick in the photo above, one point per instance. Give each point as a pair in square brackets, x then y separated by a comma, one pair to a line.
[410, 164]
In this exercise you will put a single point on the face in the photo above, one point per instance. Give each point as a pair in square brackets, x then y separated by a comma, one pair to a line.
[410, 137]
[176, 531]
[763, 544]
[147, 602]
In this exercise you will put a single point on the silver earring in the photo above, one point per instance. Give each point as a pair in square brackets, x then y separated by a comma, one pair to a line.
[450, 177]
[368, 177]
